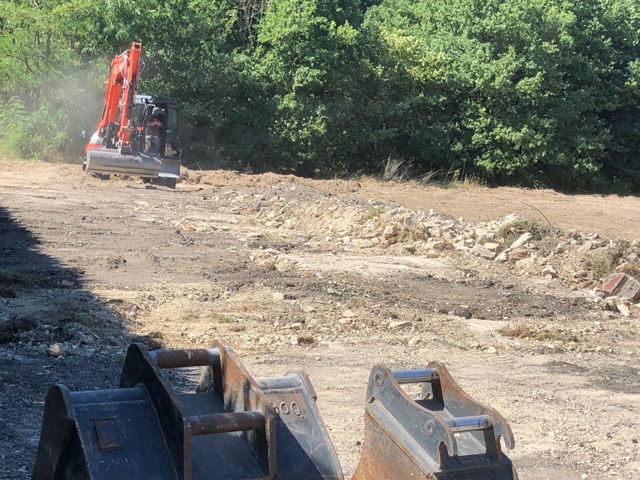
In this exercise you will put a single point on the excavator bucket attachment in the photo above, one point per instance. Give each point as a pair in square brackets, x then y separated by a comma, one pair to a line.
[233, 427]
[227, 429]
[442, 434]
[111, 161]
[170, 168]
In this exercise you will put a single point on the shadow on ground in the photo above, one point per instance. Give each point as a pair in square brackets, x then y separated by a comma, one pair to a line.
[51, 331]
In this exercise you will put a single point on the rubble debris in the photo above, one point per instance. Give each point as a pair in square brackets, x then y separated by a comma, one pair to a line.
[622, 285]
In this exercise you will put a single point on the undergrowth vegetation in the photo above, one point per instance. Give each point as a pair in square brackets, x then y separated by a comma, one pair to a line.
[612, 260]
[543, 93]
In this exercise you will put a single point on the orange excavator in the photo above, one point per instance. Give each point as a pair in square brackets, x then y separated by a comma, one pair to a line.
[137, 134]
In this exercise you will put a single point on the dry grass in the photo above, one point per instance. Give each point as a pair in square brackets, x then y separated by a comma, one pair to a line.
[468, 182]
[190, 316]
[397, 169]
[509, 232]
[631, 268]
[373, 213]
[607, 261]
[270, 237]
[541, 334]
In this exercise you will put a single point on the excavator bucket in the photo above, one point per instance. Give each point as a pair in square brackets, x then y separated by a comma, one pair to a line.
[235, 427]
[170, 168]
[111, 161]
[443, 434]
[228, 429]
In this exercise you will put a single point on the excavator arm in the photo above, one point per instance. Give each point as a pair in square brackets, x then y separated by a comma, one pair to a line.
[119, 101]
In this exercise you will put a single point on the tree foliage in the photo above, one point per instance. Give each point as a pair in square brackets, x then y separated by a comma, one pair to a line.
[530, 92]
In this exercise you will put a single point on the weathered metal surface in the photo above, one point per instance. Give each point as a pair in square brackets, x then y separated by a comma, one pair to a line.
[103, 434]
[170, 168]
[304, 447]
[144, 429]
[111, 161]
[227, 429]
[443, 434]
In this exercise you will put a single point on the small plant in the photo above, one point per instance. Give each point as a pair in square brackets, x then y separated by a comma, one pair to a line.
[225, 319]
[373, 213]
[606, 262]
[115, 262]
[396, 169]
[509, 232]
[631, 268]
[408, 235]
[516, 331]
[8, 277]
[84, 318]
[190, 316]
[468, 182]
[270, 237]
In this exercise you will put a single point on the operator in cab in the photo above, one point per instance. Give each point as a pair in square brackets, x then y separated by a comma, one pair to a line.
[154, 127]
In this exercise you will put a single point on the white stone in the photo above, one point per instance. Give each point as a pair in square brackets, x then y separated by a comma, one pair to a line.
[362, 243]
[492, 246]
[390, 231]
[502, 257]
[623, 309]
[524, 238]
[399, 324]
[549, 271]
[479, 251]
[55, 350]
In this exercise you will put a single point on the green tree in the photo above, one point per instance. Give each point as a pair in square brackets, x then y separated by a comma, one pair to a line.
[525, 87]
[309, 61]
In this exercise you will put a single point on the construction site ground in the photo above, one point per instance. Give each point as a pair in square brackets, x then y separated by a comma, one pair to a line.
[330, 277]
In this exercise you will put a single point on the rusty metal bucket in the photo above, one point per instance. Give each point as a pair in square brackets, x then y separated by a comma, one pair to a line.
[443, 434]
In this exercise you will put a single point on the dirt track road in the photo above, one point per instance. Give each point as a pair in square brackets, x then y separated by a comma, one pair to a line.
[286, 271]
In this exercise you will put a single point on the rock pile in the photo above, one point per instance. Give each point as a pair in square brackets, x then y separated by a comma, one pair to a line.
[525, 247]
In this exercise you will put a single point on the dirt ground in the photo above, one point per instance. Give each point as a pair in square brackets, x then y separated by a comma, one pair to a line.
[331, 277]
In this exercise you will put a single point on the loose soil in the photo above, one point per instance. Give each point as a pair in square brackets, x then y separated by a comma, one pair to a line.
[273, 265]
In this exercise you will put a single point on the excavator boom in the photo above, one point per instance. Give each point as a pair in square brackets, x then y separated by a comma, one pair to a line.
[119, 96]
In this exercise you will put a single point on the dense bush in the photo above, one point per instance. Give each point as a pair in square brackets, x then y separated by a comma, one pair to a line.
[530, 92]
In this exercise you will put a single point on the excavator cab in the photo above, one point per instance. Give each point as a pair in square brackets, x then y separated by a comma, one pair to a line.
[156, 132]
[154, 151]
